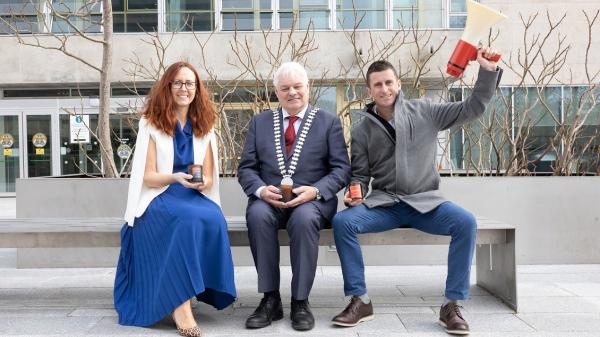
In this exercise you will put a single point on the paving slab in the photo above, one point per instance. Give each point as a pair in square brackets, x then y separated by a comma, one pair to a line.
[558, 305]
[78, 302]
[589, 288]
[568, 322]
[541, 289]
[46, 325]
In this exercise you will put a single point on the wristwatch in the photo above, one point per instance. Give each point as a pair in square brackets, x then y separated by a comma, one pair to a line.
[318, 196]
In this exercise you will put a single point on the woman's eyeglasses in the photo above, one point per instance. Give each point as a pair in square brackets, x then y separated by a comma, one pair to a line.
[188, 85]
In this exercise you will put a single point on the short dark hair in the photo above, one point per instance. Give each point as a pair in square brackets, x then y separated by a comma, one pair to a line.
[378, 66]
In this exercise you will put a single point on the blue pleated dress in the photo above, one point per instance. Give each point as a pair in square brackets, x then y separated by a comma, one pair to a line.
[177, 249]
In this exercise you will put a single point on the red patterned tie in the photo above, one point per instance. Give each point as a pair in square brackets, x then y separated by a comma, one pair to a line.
[290, 134]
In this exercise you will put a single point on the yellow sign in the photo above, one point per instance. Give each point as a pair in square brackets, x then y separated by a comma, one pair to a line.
[39, 151]
[8, 152]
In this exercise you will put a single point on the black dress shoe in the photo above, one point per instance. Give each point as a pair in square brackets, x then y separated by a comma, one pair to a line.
[302, 317]
[268, 310]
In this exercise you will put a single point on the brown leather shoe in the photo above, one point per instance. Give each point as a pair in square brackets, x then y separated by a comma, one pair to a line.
[355, 312]
[452, 320]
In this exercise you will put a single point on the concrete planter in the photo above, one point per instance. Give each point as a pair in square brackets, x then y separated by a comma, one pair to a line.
[57, 197]
[557, 218]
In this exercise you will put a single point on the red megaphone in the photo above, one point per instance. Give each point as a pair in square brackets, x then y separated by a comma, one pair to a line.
[479, 19]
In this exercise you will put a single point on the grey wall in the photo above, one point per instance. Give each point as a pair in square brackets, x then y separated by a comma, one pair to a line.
[557, 218]
[47, 66]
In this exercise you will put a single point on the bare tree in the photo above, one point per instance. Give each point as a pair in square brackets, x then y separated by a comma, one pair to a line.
[87, 20]
[527, 126]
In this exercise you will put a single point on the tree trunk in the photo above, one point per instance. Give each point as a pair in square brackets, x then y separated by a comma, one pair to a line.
[108, 162]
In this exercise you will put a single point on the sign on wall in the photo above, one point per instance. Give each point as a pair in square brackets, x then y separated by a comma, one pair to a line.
[79, 129]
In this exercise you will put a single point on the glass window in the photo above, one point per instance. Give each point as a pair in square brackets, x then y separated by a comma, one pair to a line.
[247, 95]
[582, 103]
[238, 120]
[39, 146]
[123, 137]
[538, 111]
[135, 15]
[304, 14]
[188, 15]
[324, 98]
[141, 22]
[24, 16]
[142, 4]
[18, 93]
[484, 140]
[246, 21]
[582, 107]
[418, 14]
[10, 152]
[361, 14]
[246, 15]
[76, 158]
[457, 14]
[69, 15]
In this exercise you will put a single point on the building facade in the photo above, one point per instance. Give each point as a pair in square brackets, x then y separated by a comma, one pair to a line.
[548, 89]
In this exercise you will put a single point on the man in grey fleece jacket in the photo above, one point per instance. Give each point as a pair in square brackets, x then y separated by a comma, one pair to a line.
[395, 146]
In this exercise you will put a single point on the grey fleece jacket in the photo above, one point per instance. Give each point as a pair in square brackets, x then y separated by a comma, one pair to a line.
[404, 168]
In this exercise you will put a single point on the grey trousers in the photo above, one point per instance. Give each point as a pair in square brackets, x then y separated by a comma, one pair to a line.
[303, 224]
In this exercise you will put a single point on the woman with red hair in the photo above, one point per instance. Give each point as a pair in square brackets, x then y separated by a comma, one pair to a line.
[174, 245]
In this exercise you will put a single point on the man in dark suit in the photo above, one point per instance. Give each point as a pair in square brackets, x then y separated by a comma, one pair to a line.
[297, 145]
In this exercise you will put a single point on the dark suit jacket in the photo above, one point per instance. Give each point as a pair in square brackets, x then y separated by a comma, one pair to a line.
[323, 162]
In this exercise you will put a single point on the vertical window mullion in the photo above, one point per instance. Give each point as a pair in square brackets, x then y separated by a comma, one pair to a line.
[218, 15]
[389, 16]
[275, 15]
[562, 115]
[162, 16]
[47, 17]
[332, 15]
[447, 14]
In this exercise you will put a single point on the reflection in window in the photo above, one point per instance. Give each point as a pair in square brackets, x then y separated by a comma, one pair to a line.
[39, 146]
[11, 147]
[541, 111]
[246, 15]
[69, 16]
[457, 14]
[582, 107]
[483, 143]
[418, 14]
[237, 127]
[305, 14]
[135, 15]
[188, 15]
[78, 158]
[23, 16]
[361, 14]
[324, 98]
[123, 137]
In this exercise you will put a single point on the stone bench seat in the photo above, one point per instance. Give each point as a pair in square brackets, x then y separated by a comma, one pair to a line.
[495, 252]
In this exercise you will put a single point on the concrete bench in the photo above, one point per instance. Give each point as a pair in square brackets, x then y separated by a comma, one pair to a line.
[495, 252]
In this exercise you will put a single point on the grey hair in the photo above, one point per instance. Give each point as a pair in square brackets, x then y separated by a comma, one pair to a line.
[288, 69]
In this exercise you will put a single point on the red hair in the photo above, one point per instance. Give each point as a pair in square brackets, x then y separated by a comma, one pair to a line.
[159, 104]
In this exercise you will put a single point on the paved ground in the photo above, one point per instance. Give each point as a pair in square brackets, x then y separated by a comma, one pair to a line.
[553, 300]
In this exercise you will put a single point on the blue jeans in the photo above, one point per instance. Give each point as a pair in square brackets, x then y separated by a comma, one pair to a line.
[446, 219]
